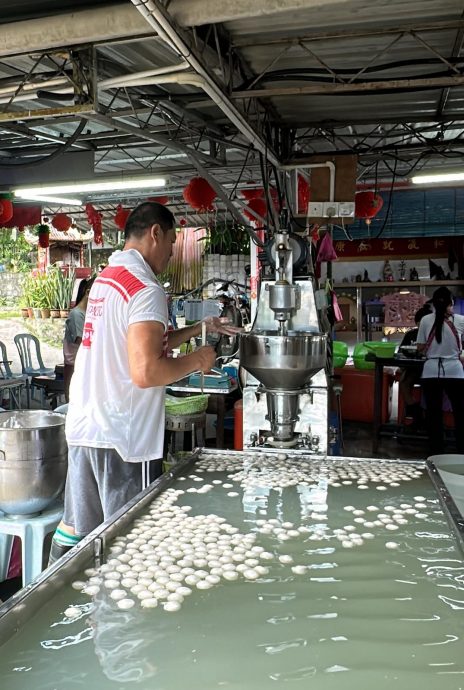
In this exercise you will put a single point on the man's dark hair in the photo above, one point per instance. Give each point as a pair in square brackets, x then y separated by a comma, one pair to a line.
[144, 216]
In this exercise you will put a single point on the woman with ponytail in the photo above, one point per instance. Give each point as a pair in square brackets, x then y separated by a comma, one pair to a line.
[440, 340]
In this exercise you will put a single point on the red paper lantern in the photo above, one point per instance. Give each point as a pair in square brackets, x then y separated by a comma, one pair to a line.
[367, 205]
[61, 222]
[259, 206]
[120, 219]
[183, 222]
[304, 194]
[6, 210]
[199, 194]
[159, 199]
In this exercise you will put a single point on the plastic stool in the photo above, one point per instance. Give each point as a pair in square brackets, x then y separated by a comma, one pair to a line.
[32, 532]
[186, 423]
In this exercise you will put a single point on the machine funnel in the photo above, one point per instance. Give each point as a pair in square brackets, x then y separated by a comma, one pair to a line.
[283, 362]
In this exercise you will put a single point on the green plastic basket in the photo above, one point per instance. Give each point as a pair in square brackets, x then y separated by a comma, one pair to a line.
[340, 354]
[359, 357]
[193, 404]
[380, 349]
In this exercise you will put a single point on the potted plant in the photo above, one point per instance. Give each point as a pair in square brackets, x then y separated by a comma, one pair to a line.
[65, 291]
[28, 296]
[53, 290]
[43, 231]
[25, 299]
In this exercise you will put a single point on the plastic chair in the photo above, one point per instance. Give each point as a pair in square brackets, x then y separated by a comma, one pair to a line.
[29, 353]
[6, 373]
[32, 532]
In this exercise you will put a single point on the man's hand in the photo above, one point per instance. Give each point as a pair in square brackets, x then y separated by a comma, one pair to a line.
[222, 325]
[206, 358]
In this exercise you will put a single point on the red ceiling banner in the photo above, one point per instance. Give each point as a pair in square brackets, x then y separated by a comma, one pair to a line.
[24, 215]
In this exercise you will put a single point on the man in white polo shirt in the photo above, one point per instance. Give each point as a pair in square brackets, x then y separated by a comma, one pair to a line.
[115, 419]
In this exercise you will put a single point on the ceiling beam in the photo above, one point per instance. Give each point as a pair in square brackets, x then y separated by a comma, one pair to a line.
[340, 89]
[162, 23]
[270, 39]
[147, 135]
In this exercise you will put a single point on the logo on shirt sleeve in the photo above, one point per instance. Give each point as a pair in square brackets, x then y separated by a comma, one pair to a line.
[87, 335]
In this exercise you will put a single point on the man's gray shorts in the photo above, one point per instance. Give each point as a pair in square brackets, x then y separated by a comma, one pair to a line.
[98, 484]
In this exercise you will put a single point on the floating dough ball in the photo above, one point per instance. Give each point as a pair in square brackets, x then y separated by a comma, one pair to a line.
[285, 559]
[91, 572]
[72, 612]
[367, 535]
[372, 509]
[118, 594]
[392, 545]
[363, 487]
[381, 487]
[128, 582]
[419, 498]
[232, 493]
[126, 604]
[347, 544]
[391, 526]
[230, 575]
[171, 606]
[203, 584]
[350, 509]
[91, 590]
[151, 603]
[78, 584]
[299, 569]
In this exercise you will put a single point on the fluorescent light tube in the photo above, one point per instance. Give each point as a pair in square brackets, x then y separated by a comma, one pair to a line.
[435, 179]
[58, 200]
[102, 186]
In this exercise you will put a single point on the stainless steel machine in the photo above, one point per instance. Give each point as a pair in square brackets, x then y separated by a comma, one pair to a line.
[285, 398]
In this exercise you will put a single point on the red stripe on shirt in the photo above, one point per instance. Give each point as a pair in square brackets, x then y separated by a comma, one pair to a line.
[114, 285]
[125, 278]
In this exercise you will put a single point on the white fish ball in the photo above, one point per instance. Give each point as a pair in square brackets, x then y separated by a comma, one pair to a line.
[118, 594]
[171, 606]
[150, 603]
[392, 545]
[78, 584]
[126, 604]
[299, 569]
[72, 612]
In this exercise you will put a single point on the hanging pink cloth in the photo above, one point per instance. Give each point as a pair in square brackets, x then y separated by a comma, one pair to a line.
[326, 250]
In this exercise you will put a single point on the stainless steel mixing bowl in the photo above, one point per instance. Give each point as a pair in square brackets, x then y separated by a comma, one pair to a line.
[33, 460]
[283, 362]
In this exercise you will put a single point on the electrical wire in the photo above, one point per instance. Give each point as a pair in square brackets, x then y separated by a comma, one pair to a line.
[58, 151]
[387, 213]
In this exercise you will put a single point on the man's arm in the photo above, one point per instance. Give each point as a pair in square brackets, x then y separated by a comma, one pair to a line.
[148, 365]
[214, 324]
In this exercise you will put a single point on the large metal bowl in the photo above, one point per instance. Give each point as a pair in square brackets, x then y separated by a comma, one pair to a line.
[283, 362]
[33, 460]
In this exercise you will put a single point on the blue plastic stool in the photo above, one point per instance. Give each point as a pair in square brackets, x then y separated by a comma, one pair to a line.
[32, 532]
